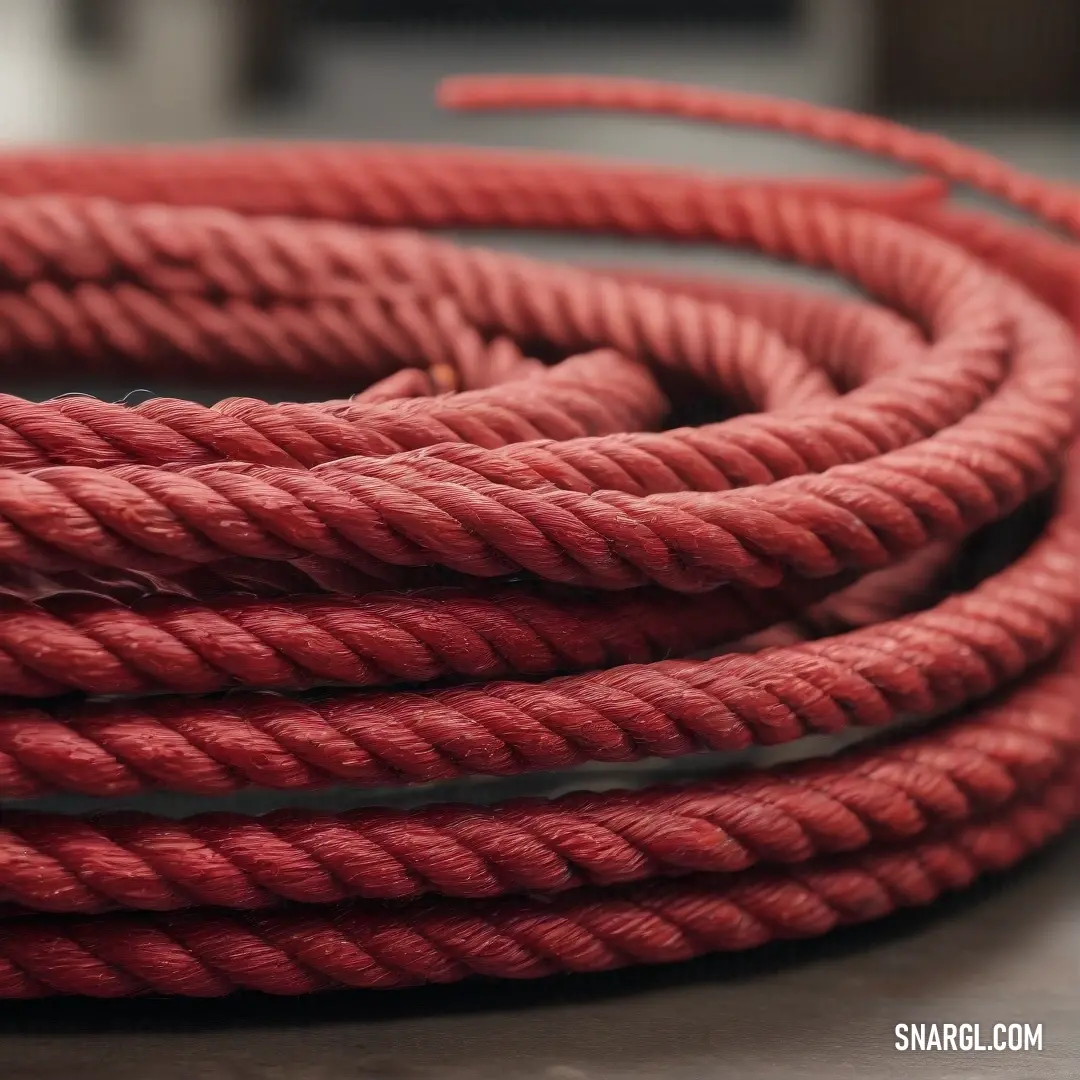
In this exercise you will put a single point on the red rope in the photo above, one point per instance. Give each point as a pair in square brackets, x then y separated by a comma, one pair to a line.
[808, 536]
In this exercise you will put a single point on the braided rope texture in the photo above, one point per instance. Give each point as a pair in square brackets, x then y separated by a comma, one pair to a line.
[560, 515]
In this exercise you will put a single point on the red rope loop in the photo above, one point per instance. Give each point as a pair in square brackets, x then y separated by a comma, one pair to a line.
[517, 507]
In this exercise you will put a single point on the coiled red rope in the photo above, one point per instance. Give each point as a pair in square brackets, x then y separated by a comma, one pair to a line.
[508, 509]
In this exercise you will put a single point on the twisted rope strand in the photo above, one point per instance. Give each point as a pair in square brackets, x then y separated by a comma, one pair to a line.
[49, 863]
[207, 954]
[127, 516]
[533, 425]
[78, 642]
[425, 187]
[922, 664]
[934, 153]
[558, 403]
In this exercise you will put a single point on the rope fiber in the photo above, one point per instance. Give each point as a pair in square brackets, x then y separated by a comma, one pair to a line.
[564, 515]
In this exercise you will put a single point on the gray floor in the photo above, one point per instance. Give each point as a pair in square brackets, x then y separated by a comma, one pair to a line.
[1009, 952]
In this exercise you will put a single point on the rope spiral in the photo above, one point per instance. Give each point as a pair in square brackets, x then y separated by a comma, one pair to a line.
[567, 515]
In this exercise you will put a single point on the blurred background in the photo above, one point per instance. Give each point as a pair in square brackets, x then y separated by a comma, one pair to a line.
[1004, 74]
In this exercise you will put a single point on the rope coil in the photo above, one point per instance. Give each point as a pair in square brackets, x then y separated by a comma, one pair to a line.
[507, 552]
